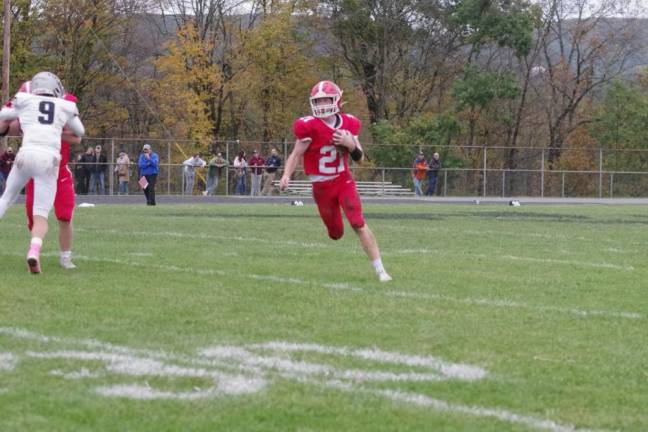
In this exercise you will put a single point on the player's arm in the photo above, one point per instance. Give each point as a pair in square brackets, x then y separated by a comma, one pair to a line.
[75, 125]
[70, 137]
[10, 127]
[301, 145]
[5, 127]
[344, 138]
[8, 113]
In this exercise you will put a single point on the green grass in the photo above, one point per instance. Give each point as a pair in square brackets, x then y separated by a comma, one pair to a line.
[549, 301]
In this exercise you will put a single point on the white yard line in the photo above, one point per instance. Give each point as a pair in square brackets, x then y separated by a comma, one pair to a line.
[345, 287]
[471, 410]
[175, 234]
[518, 305]
[565, 262]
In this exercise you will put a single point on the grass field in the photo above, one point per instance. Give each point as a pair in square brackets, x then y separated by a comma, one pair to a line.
[248, 318]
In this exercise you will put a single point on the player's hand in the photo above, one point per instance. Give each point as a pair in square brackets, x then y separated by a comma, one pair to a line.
[283, 183]
[344, 138]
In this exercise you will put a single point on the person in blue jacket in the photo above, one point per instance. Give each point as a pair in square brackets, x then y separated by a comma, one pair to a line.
[148, 165]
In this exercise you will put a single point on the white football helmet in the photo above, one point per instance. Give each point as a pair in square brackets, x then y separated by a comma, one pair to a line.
[46, 83]
[325, 89]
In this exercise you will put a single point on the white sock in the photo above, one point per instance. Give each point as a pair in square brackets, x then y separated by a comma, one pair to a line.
[378, 265]
[66, 255]
[37, 241]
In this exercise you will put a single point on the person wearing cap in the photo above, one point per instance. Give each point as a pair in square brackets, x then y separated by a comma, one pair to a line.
[122, 169]
[418, 173]
[256, 163]
[148, 164]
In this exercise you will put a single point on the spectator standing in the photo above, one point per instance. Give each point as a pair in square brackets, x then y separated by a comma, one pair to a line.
[6, 163]
[257, 163]
[433, 173]
[418, 173]
[86, 164]
[148, 164]
[189, 171]
[272, 165]
[79, 174]
[240, 166]
[122, 169]
[215, 170]
[98, 166]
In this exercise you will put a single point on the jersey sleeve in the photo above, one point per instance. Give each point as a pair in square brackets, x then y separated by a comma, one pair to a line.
[301, 128]
[8, 113]
[355, 125]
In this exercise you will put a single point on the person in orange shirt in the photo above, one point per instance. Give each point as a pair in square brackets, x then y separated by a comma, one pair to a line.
[419, 172]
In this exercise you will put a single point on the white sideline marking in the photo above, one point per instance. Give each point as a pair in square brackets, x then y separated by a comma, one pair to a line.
[118, 362]
[566, 262]
[141, 254]
[347, 287]
[7, 361]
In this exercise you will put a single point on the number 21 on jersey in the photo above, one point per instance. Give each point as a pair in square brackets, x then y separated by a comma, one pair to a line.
[329, 154]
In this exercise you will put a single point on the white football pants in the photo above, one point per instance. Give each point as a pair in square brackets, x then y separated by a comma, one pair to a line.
[43, 167]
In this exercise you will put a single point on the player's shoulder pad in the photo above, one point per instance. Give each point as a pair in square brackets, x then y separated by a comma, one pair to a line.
[305, 119]
[69, 105]
[353, 123]
[301, 126]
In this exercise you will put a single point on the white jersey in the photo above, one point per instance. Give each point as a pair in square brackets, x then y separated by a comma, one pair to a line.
[42, 119]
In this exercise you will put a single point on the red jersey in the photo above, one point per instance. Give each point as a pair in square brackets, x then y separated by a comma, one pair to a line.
[323, 158]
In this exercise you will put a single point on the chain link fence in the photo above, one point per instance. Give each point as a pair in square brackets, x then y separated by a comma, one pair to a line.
[467, 170]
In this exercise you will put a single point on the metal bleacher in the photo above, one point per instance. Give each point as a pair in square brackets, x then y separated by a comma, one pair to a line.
[375, 188]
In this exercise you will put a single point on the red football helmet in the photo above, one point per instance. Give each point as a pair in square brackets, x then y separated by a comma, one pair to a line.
[325, 89]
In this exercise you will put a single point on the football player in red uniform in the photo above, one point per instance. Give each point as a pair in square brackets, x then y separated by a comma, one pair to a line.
[64, 198]
[325, 140]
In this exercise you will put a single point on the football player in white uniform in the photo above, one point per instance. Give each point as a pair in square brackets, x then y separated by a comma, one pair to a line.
[42, 114]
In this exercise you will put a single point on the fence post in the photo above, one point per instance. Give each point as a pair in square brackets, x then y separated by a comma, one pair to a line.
[611, 184]
[111, 176]
[227, 168]
[503, 183]
[285, 149]
[562, 185]
[445, 183]
[542, 173]
[168, 168]
[383, 181]
[600, 189]
[484, 192]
